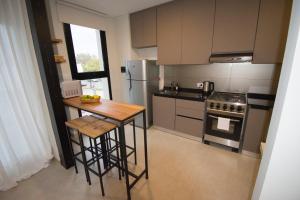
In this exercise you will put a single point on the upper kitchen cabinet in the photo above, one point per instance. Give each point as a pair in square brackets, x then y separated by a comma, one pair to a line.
[169, 21]
[184, 31]
[235, 26]
[272, 29]
[197, 31]
[143, 28]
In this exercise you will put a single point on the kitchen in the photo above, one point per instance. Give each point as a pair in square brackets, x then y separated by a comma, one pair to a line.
[190, 86]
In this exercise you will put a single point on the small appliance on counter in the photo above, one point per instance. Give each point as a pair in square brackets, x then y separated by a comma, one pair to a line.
[208, 87]
[225, 119]
[71, 88]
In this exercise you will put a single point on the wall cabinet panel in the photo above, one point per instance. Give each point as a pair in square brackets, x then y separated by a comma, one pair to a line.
[235, 25]
[197, 31]
[272, 29]
[169, 33]
[143, 28]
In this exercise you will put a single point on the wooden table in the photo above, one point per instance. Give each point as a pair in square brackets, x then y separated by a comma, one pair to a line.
[120, 113]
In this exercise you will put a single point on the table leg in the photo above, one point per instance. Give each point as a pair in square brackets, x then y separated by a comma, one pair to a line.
[145, 143]
[134, 142]
[124, 157]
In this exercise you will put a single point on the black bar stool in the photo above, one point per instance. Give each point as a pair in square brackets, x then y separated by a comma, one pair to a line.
[75, 124]
[95, 130]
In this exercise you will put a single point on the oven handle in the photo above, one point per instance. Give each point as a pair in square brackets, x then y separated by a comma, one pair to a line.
[233, 120]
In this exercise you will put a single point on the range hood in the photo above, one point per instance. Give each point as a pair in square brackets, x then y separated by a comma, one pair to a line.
[231, 58]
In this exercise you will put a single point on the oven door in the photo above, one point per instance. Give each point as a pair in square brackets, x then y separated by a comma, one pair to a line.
[235, 127]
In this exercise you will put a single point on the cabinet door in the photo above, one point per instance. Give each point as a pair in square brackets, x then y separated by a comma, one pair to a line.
[272, 29]
[235, 25]
[169, 17]
[256, 127]
[137, 32]
[197, 31]
[149, 26]
[190, 126]
[164, 112]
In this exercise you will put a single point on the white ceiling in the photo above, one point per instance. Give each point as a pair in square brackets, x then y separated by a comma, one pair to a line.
[115, 8]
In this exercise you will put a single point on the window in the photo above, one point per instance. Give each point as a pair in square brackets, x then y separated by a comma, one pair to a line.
[88, 59]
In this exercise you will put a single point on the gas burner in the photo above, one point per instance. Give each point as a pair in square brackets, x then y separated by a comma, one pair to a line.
[227, 103]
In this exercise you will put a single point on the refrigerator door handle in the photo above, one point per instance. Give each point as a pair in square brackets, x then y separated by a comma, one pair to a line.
[130, 84]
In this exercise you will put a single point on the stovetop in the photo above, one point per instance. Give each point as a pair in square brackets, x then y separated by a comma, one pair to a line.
[227, 103]
[228, 97]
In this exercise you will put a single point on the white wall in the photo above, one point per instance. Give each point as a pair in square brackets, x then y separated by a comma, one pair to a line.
[60, 14]
[123, 38]
[279, 176]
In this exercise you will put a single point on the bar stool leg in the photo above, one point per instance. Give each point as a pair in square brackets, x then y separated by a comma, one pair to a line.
[118, 155]
[91, 146]
[84, 158]
[71, 148]
[99, 168]
[107, 148]
[134, 142]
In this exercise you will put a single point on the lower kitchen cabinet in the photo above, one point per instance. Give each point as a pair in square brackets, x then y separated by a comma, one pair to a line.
[190, 126]
[164, 112]
[184, 116]
[256, 129]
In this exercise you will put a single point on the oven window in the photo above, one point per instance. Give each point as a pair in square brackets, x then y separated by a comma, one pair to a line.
[233, 133]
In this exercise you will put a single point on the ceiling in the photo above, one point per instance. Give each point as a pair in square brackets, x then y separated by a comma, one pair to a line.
[114, 8]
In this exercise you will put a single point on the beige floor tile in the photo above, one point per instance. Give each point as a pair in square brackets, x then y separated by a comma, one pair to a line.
[178, 168]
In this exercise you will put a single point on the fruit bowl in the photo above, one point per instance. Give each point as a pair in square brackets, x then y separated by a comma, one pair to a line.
[90, 99]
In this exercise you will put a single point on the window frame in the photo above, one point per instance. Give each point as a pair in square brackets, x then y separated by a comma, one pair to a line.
[72, 59]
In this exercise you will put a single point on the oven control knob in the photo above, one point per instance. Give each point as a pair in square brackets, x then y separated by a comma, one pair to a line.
[239, 109]
[211, 105]
[225, 107]
[218, 106]
[231, 108]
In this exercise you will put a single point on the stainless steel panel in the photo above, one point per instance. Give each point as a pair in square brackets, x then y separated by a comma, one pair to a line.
[138, 95]
[230, 58]
[223, 141]
[136, 70]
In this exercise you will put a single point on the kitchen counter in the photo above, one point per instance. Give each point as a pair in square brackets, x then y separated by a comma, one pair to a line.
[261, 101]
[187, 94]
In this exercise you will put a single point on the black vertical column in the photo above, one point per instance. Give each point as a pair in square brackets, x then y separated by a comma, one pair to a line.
[40, 31]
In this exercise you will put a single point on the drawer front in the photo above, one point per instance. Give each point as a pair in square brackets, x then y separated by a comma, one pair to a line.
[188, 108]
[190, 126]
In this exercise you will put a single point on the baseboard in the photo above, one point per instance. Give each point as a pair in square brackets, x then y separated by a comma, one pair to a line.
[177, 133]
[251, 154]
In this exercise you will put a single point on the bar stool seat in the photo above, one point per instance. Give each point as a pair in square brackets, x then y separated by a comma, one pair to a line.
[96, 128]
[80, 122]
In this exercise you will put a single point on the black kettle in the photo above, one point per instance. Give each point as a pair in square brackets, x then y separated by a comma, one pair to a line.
[208, 86]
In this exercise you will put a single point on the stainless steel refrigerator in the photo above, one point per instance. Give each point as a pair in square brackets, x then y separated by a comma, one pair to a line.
[142, 80]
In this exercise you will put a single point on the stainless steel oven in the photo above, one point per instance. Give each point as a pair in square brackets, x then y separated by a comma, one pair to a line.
[228, 107]
[230, 137]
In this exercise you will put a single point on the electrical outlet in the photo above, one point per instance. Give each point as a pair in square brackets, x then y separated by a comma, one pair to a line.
[199, 85]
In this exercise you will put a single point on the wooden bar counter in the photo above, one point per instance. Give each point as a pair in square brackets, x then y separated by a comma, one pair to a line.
[121, 113]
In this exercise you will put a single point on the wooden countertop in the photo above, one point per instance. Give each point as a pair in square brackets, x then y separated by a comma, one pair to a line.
[111, 109]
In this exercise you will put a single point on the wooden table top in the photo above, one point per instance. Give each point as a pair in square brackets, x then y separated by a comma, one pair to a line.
[111, 109]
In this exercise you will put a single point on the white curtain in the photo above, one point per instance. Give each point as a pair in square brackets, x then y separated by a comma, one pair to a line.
[25, 146]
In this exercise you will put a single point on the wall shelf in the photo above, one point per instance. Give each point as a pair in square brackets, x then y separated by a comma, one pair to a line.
[56, 41]
[59, 59]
